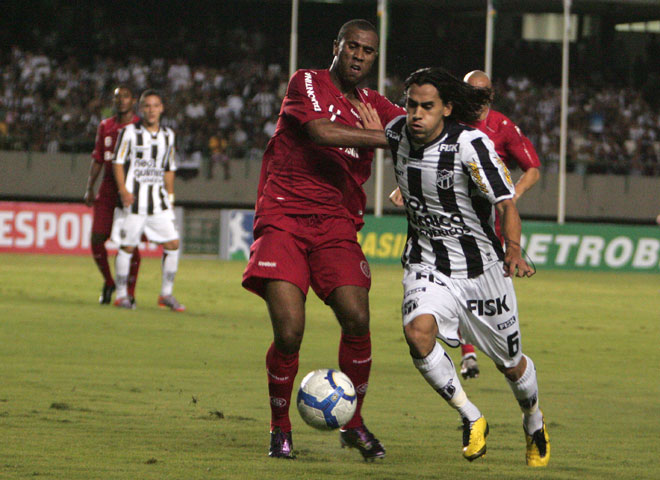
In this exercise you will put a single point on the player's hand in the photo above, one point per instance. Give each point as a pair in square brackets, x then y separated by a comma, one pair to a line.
[89, 197]
[127, 198]
[396, 198]
[514, 264]
[369, 118]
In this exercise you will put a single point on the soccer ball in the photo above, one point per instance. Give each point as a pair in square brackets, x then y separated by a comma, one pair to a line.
[326, 399]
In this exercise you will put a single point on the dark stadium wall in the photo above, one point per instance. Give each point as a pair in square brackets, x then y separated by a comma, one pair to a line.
[62, 177]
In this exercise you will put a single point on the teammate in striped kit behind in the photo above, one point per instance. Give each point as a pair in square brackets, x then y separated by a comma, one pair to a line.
[144, 166]
[456, 273]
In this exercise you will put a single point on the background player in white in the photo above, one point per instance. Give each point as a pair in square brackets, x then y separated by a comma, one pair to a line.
[456, 273]
[144, 168]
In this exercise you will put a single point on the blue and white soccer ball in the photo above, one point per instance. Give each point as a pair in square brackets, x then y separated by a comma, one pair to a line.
[326, 399]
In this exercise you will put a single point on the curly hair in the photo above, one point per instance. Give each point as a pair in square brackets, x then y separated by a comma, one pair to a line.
[467, 101]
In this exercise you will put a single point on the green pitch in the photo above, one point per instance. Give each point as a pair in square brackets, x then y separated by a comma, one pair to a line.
[91, 392]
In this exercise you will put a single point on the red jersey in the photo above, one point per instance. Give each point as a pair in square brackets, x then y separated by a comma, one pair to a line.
[104, 150]
[300, 177]
[511, 145]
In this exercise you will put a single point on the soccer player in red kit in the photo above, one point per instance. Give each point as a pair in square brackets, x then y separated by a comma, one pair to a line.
[310, 204]
[514, 149]
[107, 199]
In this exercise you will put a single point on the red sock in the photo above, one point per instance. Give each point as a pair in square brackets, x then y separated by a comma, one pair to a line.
[133, 272]
[281, 369]
[355, 361]
[100, 255]
[466, 349]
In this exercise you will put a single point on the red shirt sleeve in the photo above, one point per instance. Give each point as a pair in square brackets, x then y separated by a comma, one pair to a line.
[97, 153]
[303, 101]
[520, 148]
[386, 109]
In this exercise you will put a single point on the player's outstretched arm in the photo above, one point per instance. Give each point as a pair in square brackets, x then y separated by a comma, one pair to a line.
[526, 181]
[331, 134]
[514, 263]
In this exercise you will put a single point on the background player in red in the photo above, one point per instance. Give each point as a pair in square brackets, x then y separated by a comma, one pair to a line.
[107, 198]
[310, 204]
[514, 149]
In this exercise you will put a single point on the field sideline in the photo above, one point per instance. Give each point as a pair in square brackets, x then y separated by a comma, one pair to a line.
[91, 392]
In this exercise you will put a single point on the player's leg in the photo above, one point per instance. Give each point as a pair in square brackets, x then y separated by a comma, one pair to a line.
[351, 307]
[169, 266]
[278, 271]
[133, 273]
[101, 227]
[286, 307]
[430, 311]
[161, 228]
[493, 325]
[523, 383]
[340, 276]
[126, 231]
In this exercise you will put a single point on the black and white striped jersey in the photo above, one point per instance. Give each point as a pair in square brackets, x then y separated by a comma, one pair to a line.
[146, 157]
[449, 187]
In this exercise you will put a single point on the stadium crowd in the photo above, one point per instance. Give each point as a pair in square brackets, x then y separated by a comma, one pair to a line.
[231, 111]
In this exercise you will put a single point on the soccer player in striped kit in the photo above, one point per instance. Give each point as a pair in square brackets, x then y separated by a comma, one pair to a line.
[456, 273]
[516, 150]
[144, 166]
[107, 199]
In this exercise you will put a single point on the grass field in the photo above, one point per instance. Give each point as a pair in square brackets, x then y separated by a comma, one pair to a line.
[90, 392]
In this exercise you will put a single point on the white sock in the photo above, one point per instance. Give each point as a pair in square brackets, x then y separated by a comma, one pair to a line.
[439, 372]
[122, 268]
[170, 266]
[526, 391]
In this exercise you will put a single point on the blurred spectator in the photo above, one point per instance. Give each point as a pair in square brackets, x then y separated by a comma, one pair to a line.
[217, 147]
[52, 105]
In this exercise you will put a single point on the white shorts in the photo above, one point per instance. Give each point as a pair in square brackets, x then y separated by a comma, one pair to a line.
[127, 228]
[483, 308]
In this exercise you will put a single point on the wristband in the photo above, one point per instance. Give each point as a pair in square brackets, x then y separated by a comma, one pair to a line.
[170, 197]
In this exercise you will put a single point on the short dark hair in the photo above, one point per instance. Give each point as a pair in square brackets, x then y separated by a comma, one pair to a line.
[467, 101]
[358, 23]
[149, 92]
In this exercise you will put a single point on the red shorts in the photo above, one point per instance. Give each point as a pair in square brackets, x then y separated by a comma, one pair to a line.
[104, 211]
[317, 250]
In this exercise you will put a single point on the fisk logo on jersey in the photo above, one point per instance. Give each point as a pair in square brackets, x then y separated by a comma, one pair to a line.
[393, 135]
[488, 307]
[448, 147]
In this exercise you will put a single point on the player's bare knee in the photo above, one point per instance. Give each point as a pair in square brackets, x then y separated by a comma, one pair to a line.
[128, 248]
[354, 321]
[171, 245]
[515, 372]
[288, 342]
[420, 341]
